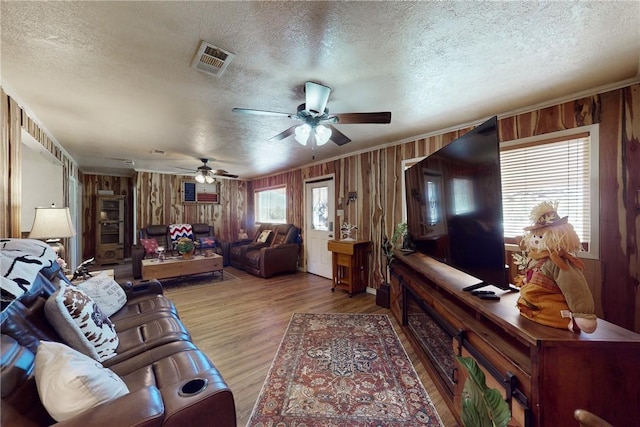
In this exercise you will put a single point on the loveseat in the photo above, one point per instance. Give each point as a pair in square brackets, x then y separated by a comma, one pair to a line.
[273, 250]
[53, 368]
[162, 236]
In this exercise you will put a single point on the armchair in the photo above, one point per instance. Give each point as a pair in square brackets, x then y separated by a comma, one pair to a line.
[278, 255]
[202, 231]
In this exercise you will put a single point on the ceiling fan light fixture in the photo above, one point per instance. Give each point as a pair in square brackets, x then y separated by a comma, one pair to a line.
[302, 133]
[209, 179]
[322, 134]
[200, 178]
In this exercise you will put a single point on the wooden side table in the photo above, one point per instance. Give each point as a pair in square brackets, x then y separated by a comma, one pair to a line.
[350, 264]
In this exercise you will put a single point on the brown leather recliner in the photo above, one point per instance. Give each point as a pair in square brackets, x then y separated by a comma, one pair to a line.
[239, 248]
[171, 382]
[278, 255]
[159, 232]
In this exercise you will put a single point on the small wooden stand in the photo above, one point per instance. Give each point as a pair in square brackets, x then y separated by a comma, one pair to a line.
[350, 264]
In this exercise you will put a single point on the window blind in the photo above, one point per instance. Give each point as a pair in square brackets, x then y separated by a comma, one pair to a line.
[556, 170]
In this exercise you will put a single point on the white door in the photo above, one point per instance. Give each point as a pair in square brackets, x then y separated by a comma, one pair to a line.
[319, 214]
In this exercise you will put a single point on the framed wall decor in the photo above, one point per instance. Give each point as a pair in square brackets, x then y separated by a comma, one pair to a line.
[193, 192]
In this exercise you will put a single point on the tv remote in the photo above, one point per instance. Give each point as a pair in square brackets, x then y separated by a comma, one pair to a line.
[483, 293]
[489, 297]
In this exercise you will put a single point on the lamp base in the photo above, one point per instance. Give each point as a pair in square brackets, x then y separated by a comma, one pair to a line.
[57, 247]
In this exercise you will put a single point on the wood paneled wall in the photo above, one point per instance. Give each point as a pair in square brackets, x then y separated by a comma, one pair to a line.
[14, 120]
[159, 201]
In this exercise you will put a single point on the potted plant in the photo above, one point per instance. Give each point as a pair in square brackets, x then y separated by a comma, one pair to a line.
[481, 406]
[185, 247]
[388, 248]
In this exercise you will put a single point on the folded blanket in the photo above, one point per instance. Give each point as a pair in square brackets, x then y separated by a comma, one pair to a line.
[20, 262]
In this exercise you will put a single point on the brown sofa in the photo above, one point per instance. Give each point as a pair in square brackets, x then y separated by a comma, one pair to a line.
[160, 232]
[278, 254]
[170, 381]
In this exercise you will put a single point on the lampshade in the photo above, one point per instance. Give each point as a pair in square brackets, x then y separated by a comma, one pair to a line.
[52, 223]
[199, 178]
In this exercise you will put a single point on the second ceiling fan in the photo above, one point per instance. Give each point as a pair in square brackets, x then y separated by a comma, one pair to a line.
[317, 123]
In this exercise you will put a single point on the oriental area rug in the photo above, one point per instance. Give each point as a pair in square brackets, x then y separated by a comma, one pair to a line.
[342, 370]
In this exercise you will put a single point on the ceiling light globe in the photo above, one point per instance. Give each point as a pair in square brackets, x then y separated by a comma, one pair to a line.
[200, 178]
[209, 179]
[323, 134]
[302, 133]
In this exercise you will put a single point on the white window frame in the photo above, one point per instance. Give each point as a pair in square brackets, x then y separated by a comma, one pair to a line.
[256, 204]
[593, 250]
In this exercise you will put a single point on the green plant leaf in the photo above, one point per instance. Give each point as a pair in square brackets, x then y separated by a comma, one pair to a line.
[481, 406]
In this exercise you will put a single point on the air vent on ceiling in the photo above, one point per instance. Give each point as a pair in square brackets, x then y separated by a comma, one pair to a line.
[211, 59]
[158, 152]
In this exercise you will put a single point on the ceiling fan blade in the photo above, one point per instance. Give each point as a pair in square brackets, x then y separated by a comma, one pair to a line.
[224, 173]
[260, 112]
[284, 134]
[336, 136]
[316, 97]
[353, 118]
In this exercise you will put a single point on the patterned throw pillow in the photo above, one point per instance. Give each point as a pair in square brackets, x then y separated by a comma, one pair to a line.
[106, 292]
[207, 242]
[177, 231]
[81, 324]
[264, 236]
[70, 383]
[150, 245]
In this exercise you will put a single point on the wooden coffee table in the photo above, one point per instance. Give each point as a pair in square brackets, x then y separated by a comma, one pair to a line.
[176, 267]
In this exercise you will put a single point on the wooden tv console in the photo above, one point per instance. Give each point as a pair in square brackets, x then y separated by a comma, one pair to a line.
[544, 373]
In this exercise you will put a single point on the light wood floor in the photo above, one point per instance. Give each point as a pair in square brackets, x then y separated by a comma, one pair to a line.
[239, 325]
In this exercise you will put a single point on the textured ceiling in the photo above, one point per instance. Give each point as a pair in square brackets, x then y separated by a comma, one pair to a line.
[112, 80]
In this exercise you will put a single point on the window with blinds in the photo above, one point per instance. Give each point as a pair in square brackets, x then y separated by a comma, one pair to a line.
[558, 167]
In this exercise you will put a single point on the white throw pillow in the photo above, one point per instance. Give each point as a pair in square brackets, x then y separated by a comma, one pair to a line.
[106, 292]
[264, 236]
[80, 322]
[69, 382]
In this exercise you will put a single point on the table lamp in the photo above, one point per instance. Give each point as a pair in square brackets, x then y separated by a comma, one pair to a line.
[52, 224]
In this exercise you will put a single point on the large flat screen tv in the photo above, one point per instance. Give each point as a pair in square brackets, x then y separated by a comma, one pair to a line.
[454, 206]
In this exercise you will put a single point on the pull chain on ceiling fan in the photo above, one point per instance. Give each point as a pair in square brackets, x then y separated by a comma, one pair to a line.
[318, 124]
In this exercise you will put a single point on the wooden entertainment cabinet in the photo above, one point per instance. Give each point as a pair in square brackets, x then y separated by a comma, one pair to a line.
[544, 373]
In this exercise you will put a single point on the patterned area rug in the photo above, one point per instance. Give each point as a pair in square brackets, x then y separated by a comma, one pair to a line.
[342, 370]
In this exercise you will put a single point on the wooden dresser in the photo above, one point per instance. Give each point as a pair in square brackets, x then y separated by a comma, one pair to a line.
[544, 373]
[350, 260]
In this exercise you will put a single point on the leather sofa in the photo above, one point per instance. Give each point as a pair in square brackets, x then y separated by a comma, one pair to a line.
[160, 232]
[277, 254]
[171, 382]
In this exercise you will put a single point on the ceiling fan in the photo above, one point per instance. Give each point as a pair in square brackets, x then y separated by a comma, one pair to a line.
[317, 123]
[204, 173]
